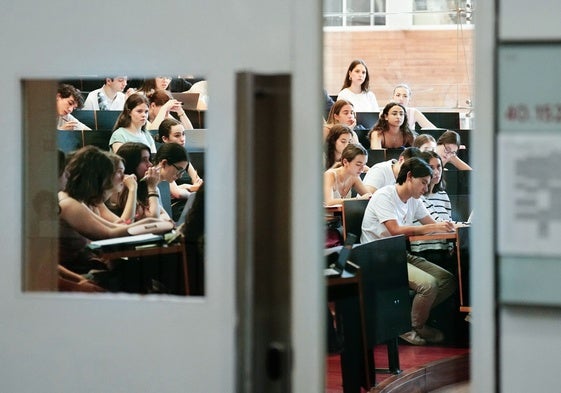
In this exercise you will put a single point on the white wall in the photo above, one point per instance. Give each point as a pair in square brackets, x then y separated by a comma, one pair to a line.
[56, 343]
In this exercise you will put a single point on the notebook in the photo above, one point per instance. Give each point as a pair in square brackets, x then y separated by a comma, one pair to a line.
[336, 268]
[188, 100]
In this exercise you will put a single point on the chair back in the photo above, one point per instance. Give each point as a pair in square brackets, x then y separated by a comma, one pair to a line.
[165, 196]
[353, 212]
[385, 286]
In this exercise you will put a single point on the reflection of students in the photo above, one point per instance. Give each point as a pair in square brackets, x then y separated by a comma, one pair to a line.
[391, 211]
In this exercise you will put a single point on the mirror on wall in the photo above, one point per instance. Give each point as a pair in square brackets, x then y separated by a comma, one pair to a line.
[113, 181]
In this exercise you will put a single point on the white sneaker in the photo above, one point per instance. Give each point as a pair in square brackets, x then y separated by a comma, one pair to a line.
[412, 337]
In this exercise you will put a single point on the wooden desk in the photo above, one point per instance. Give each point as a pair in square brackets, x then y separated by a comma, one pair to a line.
[452, 236]
[178, 247]
[356, 368]
[333, 209]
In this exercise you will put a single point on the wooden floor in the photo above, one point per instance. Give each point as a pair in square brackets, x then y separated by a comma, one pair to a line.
[410, 358]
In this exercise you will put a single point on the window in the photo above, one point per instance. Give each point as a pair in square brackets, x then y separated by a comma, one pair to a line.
[396, 13]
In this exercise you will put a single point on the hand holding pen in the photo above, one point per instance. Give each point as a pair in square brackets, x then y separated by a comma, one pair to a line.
[152, 176]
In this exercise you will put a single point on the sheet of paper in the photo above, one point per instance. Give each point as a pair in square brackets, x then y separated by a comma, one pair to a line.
[529, 194]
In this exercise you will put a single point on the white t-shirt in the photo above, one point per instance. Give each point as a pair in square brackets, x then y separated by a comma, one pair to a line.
[92, 101]
[380, 175]
[362, 102]
[385, 205]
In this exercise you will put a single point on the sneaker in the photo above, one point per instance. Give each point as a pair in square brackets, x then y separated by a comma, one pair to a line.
[413, 338]
[430, 334]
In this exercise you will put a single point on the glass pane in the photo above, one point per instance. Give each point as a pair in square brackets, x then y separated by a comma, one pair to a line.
[358, 5]
[114, 184]
[330, 6]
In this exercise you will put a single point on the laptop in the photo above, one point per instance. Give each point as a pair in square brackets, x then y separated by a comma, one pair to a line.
[189, 101]
[335, 269]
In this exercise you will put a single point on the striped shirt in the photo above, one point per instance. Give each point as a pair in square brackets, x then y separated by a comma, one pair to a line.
[440, 209]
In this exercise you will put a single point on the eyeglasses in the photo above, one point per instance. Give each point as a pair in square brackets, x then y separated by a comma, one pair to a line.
[180, 171]
[449, 151]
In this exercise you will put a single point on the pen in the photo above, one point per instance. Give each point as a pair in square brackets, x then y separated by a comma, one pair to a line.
[146, 176]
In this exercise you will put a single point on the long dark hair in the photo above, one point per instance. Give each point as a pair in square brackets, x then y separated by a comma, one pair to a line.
[427, 156]
[347, 82]
[382, 125]
[334, 133]
[165, 128]
[131, 152]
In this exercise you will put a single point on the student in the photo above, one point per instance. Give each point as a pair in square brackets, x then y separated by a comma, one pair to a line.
[338, 138]
[69, 98]
[342, 112]
[391, 131]
[391, 211]
[172, 131]
[69, 281]
[109, 97]
[170, 163]
[447, 147]
[385, 173]
[402, 95]
[425, 142]
[150, 85]
[160, 106]
[137, 163]
[437, 202]
[344, 176]
[130, 125]
[90, 180]
[356, 88]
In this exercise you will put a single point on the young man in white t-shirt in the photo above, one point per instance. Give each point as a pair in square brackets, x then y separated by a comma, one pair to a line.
[109, 97]
[384, 173]
[391, 211]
